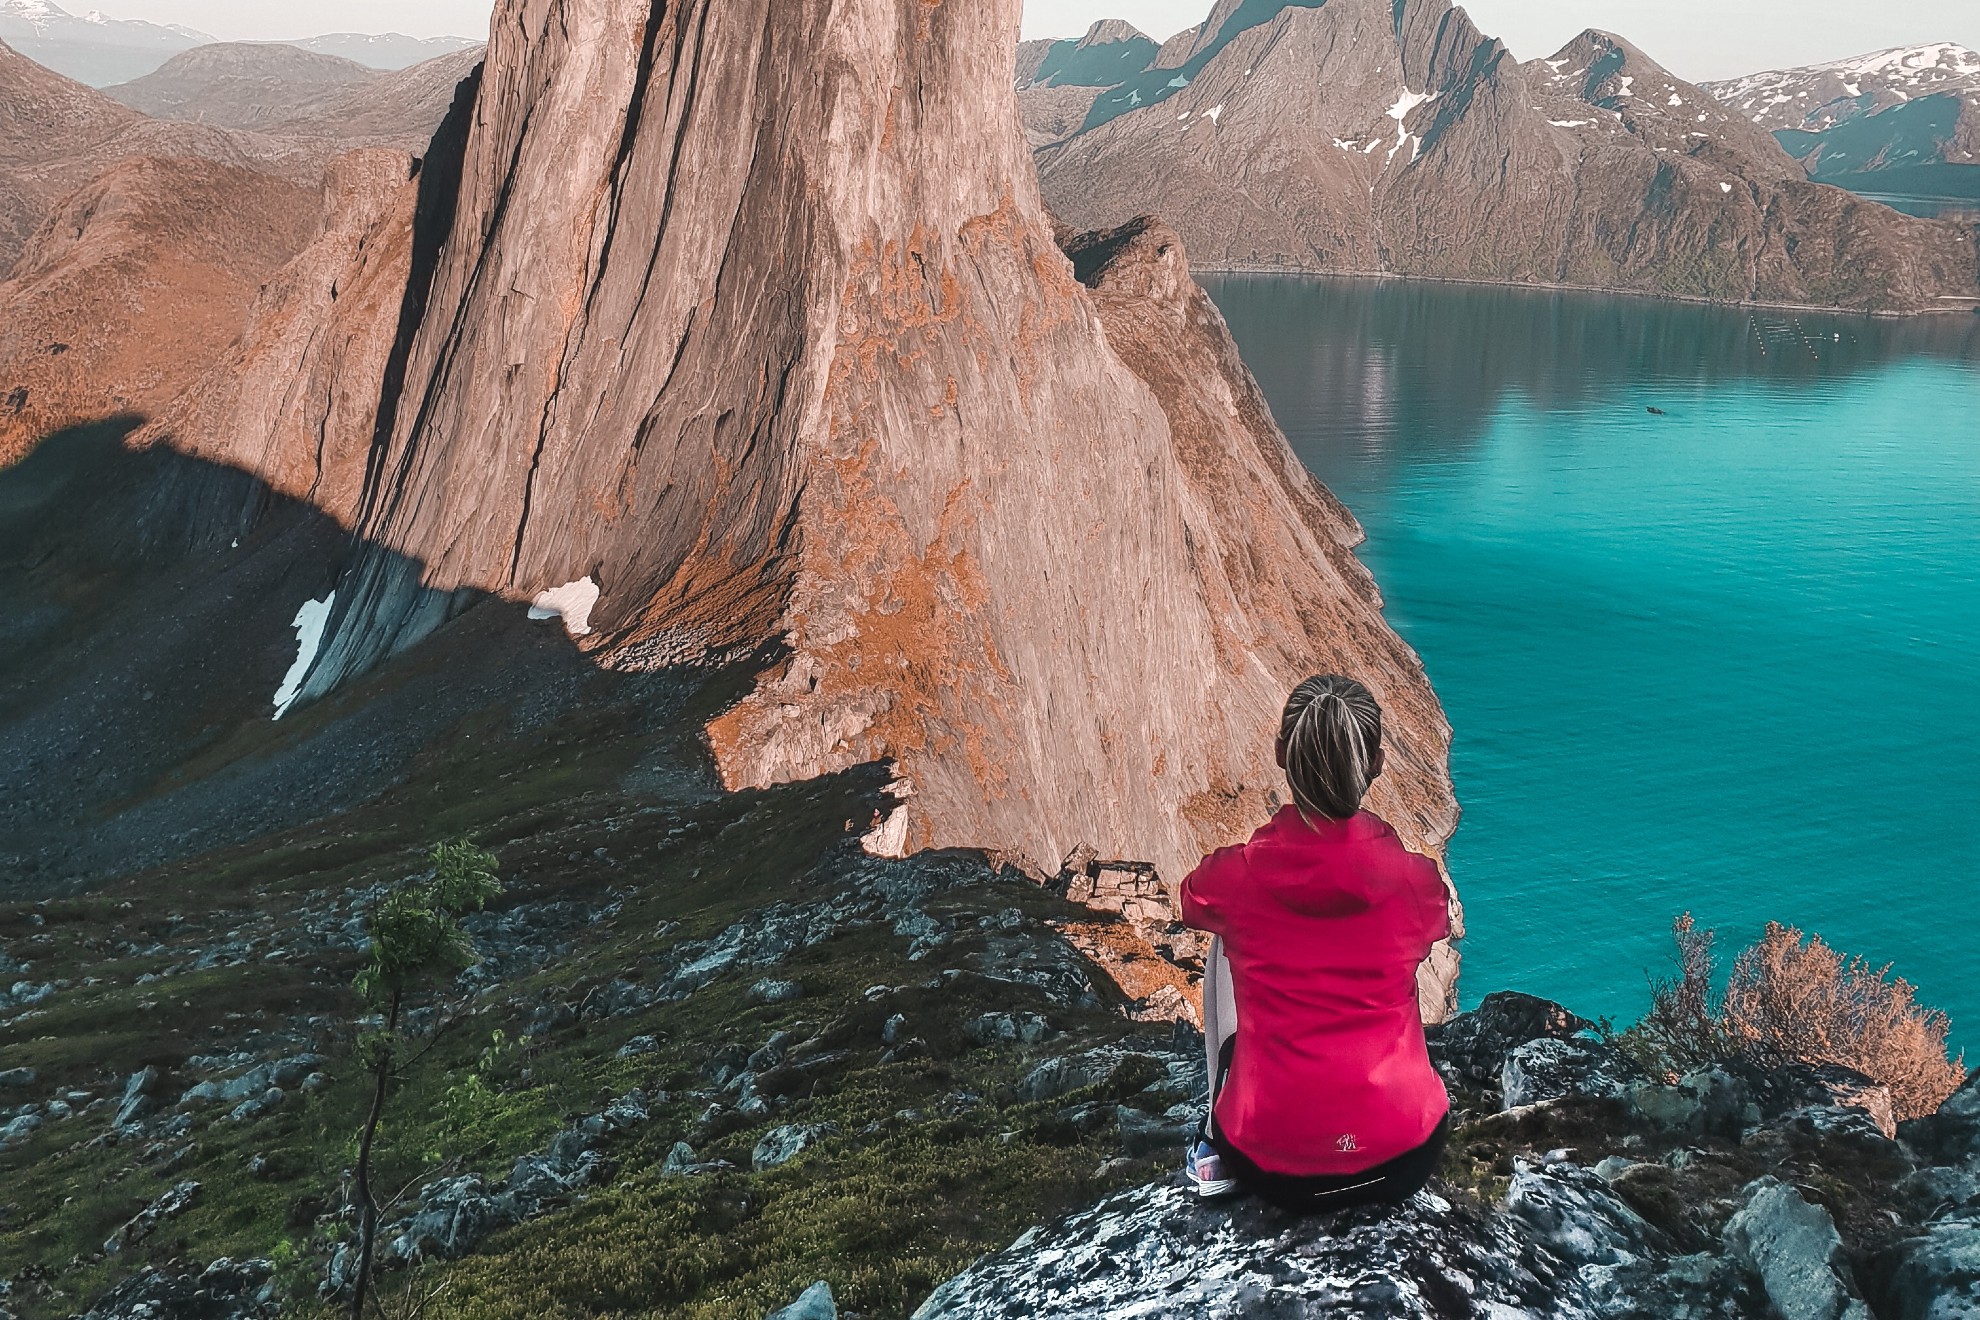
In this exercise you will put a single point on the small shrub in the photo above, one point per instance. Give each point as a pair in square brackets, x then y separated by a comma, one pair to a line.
[1682, 1030]
[1792, 997]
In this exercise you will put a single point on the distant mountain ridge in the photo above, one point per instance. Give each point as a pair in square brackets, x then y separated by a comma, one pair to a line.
[91, 49]
[102, 52]
[1902, 122]
[388, 51]
[139, 225]
[1393, 137]
[285, 90]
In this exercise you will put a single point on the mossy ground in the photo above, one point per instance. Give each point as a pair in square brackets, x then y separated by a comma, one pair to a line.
[923, 1178]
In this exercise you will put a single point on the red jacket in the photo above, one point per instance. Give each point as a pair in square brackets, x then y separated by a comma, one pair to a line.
[1324, 925]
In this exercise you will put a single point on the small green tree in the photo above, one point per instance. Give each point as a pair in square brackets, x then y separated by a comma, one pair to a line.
[416, 939]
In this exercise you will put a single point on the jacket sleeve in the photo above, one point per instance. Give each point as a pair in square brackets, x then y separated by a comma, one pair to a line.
[1209, 890]
[1436, 903]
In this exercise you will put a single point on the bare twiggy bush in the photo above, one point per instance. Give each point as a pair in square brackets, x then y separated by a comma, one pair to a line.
[1792, 997]
[1682, 1030]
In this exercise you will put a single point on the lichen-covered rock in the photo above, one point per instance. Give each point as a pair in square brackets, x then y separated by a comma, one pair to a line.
[1794, 1248]
[1548, 1069]
[814, 1303]
[783, 1144]
[224, 1290]
[1708, 1099]
[1935, 1276]
[1474, 1045]
[1568, 1250]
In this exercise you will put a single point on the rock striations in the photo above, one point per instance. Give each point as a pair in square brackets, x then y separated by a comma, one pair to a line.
[1898, 122]
[1363, 135]
[741, 333]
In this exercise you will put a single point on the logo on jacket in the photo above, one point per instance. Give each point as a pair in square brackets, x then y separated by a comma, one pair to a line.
[1347, 1142]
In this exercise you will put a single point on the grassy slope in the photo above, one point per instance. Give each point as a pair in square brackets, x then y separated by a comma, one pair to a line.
[917, 1187]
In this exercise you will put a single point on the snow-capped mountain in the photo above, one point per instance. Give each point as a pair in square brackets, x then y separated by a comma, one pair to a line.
[1903, 122]
[389, 50]
[91, 48]
[102, 52]
[1392, 136]
[1820, 96]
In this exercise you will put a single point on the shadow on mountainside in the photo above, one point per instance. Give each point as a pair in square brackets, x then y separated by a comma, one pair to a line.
[150, 623]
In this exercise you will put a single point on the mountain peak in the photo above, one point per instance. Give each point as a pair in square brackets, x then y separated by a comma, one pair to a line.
[1110, 30]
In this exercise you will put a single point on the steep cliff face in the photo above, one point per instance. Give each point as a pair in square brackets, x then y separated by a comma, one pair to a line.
[1360, 135]
[751, 332]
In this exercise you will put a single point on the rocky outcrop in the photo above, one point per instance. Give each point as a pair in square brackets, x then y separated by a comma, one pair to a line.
[1650, 1200]
[1896, 122]
[1373, 137]
[814, 372]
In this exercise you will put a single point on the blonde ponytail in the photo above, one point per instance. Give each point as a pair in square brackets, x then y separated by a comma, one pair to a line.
[1331, 732]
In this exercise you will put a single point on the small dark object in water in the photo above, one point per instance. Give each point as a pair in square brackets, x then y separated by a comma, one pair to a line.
[1660, 412]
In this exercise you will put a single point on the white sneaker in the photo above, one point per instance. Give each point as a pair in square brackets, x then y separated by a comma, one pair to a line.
[1205, 1169]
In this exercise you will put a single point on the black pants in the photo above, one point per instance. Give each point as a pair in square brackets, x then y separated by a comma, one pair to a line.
[1389, 1183]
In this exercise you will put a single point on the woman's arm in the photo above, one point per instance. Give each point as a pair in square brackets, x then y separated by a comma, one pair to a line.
[1206, 891]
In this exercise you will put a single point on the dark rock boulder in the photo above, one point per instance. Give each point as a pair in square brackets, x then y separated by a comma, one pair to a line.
[1951, 1135]
[224, 1290]
[1935, 1276]
[1474, 1045]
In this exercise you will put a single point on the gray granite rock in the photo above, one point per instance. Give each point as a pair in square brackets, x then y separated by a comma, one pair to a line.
[1794, 1248]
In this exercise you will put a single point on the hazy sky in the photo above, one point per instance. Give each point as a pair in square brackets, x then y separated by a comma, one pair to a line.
[1697, 38]
[276, 20]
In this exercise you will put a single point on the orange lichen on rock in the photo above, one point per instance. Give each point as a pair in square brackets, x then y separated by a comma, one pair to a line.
[1155, 985]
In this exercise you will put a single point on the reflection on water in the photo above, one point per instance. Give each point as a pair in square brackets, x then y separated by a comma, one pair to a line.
[1722, 656]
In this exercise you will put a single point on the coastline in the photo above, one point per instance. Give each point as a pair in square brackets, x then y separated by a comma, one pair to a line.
[1958, 307]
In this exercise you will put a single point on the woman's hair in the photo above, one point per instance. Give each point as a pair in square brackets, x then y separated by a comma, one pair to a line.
[1331, 732]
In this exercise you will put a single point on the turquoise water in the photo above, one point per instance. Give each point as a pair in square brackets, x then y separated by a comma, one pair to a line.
[1725, 660]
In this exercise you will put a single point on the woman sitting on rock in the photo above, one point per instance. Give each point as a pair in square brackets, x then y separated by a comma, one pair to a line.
[1323, 1095]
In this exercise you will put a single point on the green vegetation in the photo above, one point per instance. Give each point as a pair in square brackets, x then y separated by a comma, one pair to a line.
[937, 1158]
[416, 939]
